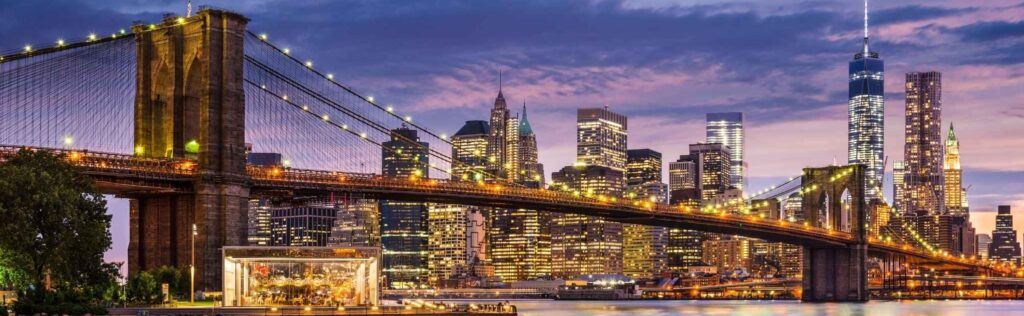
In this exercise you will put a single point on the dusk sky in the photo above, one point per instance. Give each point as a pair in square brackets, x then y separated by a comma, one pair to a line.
[664, 64]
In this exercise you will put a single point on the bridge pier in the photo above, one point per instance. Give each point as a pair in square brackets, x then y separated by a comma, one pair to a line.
[190, 103]
[833, 198]
[835, 274]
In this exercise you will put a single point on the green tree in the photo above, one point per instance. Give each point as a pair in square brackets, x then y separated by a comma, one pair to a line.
[54, 223]
[143, 288]
[176, 279]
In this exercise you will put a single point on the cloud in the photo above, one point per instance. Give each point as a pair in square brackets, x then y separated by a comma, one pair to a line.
[990, 31]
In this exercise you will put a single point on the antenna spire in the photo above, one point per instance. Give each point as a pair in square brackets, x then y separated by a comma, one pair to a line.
[866, 28]
[499, 79]
[188, 9]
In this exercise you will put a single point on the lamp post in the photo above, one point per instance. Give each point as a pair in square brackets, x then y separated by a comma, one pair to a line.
[192, 269]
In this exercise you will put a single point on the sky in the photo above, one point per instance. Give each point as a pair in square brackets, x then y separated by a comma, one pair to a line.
[664, 64]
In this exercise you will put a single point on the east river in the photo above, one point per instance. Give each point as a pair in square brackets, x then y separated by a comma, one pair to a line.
[753, 308]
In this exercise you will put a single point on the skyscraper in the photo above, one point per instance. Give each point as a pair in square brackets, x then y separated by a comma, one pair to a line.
[580, 244]
[982, 241]
[259, 222]
[404, 233]
[447, 246]
[529, 170]
[498, 138]
[519, 240]
[358, 223]
[712, 168]
[584, 244]
[955, 192]
[644, 247]
[922, 152]
[694, 178]
[302, 225]
[601, 138]
[727, 129]
[867, 114]
[520, 244]
[469, 152]
[642, 166]
[1004, 246]
[899, 173]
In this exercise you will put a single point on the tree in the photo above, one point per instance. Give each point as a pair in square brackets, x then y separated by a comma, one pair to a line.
[142, 288]
[54, 223]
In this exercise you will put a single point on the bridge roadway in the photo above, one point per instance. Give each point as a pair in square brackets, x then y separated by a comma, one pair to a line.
[122, 174]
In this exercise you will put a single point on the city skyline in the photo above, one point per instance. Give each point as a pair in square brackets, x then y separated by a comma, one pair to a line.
[548, 119]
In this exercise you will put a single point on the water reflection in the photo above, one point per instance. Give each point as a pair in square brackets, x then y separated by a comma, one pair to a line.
[755, 308]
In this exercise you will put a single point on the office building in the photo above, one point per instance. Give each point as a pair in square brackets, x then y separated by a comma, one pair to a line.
[727, 129]
[899, 172]
[922, 152]
[529, 170]
[866, 134]
[1004, 246]
[498, 139]
[583, 245]
[259, 222]
[642, 166]
[954, 191]
[982, 241]
[775, 259]
[520, 244]
[726, 253]
[710, 167]
[404, 233]
[302, 225]
[469, 152]
[358, 223]
[644, 248]
[601, 138]
[518, 241]
[448, 245]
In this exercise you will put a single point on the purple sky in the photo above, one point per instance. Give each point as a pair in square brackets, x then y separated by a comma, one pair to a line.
[664, 64]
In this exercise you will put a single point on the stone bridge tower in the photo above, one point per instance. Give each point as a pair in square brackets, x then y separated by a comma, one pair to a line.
[189, 103]
[833, 197]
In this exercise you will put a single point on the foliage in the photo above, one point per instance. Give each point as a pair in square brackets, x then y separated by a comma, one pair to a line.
[142, 288]
[54, 223]
[62, 301]
[176, 279]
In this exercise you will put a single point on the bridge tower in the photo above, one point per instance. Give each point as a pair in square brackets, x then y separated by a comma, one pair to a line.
[189, 103]
[833, 197]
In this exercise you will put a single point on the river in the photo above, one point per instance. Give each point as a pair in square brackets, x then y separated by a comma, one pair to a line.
[755, 308]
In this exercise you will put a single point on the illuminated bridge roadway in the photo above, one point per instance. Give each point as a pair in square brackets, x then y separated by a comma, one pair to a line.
[121, 174]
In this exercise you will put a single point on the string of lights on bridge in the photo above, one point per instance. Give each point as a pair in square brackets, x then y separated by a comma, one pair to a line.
[389, 109]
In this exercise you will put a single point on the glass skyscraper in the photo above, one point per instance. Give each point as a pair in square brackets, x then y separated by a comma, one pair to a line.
[404, 224]
[727, 129]
[867, 115]
[601, 138]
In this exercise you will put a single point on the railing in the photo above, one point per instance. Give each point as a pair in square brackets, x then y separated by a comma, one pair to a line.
[182, 169]
[113, 163]
[283, 176]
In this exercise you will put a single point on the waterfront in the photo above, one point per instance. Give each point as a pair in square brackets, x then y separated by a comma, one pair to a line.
[753, 308]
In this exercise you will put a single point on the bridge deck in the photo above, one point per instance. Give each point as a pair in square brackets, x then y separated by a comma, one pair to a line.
[125, 174]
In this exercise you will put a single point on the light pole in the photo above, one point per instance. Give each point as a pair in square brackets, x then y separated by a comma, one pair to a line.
[192, 269]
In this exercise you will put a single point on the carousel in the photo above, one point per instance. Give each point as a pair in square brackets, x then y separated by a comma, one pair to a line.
[300, 276]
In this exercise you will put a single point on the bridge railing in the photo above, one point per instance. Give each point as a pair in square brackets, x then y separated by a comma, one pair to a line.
[183, 169]
[416, 184]
[121, 164]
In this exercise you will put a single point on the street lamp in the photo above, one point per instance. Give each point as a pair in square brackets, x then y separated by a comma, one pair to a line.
[192, 269]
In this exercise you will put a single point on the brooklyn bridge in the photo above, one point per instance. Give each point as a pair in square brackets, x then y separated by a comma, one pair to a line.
[162, 114]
